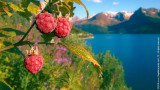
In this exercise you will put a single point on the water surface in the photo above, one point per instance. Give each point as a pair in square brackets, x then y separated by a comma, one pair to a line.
[137, 52]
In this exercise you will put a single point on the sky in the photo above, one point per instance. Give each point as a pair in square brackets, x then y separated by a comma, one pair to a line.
[98, 6]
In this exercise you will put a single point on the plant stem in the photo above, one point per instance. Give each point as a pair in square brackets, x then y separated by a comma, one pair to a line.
[5, 48]
[28, 31]
[11, 46]
[24, 43]
[26, 84]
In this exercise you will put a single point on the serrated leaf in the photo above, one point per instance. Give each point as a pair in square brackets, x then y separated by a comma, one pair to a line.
[5, 86]
[16, 8]
[33, 9]
[80, 51]
[8, 13]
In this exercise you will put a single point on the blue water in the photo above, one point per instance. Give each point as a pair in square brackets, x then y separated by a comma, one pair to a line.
[137, 52]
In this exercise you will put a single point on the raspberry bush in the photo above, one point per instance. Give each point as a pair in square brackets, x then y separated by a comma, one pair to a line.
[52, 20]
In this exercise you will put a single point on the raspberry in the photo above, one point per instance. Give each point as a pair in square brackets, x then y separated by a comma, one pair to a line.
[63, 27]
[46, 22]
[33, 63]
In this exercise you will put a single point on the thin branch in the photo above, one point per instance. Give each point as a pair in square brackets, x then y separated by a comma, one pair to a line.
[24, 43]
[28, 31]
[5, 48]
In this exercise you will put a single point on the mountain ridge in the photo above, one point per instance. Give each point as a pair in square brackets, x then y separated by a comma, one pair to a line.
[122, 22]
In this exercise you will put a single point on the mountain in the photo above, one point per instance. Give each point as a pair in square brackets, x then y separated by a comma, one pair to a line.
[99, 23]
[74, 19]
[141, 21]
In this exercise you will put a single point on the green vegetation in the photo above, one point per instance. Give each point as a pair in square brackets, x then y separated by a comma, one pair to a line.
[79, 75]
[62, 69]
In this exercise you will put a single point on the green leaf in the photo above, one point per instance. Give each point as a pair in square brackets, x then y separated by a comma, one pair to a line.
[33, 9]
[47, 37]
[80, 51]
[11, 32]
[2, 4]
[25, 14]
[5, 86]
[16, 8]
[35, 2]
[1, 44]
[8, 13]
[25, 3]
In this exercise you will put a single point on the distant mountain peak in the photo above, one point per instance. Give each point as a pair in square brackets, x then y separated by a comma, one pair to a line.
[74, 19]
[109, 20]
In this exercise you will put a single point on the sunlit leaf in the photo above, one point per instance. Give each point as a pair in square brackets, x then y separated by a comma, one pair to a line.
[80, 51]
[33, 9]
[1, 44]
[8, 13]
[16, 8]
[10, 32]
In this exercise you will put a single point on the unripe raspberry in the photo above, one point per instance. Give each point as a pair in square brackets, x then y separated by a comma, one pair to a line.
[63, 27]
[46, 22]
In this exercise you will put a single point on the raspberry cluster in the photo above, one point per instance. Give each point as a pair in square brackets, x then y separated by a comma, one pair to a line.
[47, 23]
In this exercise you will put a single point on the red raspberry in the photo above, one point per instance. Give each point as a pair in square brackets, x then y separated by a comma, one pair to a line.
[63, 27]
[46, 22]
[33, 63]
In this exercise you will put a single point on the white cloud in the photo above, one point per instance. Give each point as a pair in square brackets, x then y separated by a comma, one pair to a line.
[115, 3]
[97, 1]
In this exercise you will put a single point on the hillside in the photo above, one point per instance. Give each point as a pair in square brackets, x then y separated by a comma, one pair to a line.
[141, 21]
[99, 23]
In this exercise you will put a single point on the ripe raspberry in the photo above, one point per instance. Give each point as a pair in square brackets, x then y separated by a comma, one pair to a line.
[33, 63]
[63, 27]
[46, 22]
